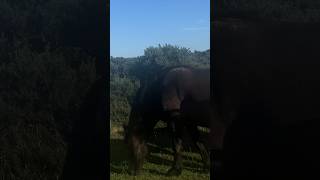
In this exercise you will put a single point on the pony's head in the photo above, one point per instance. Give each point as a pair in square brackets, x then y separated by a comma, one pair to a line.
[135, 139]
[146, 111]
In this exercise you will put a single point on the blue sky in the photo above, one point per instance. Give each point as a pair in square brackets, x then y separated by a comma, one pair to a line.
[138, 24]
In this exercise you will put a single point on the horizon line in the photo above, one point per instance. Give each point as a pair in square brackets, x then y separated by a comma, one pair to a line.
[143, 55]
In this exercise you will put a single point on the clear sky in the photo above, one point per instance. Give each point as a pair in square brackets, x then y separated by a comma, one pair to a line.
[138, 24]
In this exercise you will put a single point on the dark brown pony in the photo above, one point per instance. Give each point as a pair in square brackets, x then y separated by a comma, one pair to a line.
[266, 81]
[179, 96]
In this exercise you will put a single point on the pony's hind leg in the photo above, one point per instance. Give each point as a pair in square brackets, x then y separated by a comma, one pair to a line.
[176, 129]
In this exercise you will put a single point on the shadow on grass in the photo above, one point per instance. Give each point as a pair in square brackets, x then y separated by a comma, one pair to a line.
[119, 153]
[159, 150]
[157, 155]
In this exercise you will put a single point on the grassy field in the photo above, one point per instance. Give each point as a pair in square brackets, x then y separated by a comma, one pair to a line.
[157, 163]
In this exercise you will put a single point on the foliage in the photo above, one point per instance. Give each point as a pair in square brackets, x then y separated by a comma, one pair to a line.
[43, 83]
[39, 94]
[156, 58]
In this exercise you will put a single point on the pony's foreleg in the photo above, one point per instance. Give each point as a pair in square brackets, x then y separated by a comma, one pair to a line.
[176, 129]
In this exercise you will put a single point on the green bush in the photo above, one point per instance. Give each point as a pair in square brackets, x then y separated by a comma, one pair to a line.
[122, 92]
[43, 81]
[39, 95]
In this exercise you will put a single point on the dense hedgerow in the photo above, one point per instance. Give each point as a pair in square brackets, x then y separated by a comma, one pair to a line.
[43, 81]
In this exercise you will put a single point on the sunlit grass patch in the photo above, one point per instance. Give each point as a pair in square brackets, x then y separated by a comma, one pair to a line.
[159, 160]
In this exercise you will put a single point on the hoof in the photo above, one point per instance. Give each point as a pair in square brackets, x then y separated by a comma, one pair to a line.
[174, 172]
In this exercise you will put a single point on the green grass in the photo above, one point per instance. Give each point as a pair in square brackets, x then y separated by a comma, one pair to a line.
[157, 163]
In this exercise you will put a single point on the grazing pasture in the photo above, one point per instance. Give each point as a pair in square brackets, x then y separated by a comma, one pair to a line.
[159, 159]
